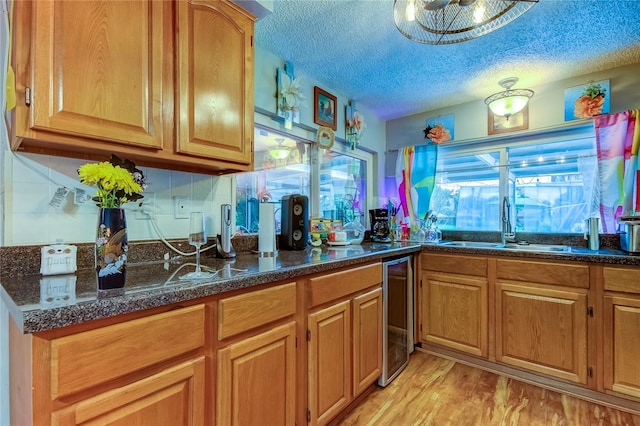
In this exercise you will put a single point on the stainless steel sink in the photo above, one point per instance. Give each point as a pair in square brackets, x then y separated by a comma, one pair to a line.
[544, 248]
[473, 244]
[537, 247]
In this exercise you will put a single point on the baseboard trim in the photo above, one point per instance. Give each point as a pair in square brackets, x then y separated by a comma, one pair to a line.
[589, 395]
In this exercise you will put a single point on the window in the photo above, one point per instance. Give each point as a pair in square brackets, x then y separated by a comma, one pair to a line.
[338, 176]
[549, 179]
[342, 187]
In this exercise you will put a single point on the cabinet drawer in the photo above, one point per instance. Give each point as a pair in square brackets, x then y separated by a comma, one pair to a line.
[466, 265]
[83, 360]
[241, 313]
[339, 284]
[622, 279]
[564, 274]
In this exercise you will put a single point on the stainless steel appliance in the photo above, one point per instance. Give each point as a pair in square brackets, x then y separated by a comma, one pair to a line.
[397, 330]
[224, 248]
[629, 230]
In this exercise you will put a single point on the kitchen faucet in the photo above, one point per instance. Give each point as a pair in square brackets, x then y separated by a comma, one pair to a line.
[508, 233]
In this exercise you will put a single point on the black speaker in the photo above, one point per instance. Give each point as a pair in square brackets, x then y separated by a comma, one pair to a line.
[294, 220]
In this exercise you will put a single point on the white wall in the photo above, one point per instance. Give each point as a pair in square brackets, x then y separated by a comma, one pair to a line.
[546, 109]
[4, 365]
[4, 315]
[373, 136]
[32, 180]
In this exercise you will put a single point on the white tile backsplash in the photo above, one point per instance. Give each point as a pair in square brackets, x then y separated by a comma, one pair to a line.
[31, 181]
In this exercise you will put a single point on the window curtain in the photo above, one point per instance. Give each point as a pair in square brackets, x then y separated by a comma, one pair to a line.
[415, 179]
[617, 143]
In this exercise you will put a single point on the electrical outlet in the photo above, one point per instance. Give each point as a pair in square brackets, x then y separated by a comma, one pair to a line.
[181, 207]
[145, 207]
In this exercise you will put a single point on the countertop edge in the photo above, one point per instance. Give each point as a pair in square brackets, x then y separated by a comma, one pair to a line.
[34, 319]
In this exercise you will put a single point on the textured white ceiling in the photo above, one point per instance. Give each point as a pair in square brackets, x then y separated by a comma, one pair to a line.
[354, 48]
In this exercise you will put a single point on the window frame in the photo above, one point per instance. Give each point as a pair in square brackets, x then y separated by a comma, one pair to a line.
[314, 170]
[503, 143]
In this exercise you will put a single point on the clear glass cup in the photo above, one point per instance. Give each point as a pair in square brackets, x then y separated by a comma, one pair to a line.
[197, 237]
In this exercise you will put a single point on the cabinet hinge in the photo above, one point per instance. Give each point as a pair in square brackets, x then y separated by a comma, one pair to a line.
[590, 311]
[421, 327]
[308, 335]
[420, 283]
[296, 341]
[308, 416]
[27, 96]
[251, 41]
[590, 371]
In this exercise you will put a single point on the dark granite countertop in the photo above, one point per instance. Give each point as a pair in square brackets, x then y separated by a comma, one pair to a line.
[40, 303]
[573, 254]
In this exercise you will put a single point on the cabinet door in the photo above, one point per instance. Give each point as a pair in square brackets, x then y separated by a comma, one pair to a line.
[454, 312]
[214, 103]
[97, 70]
[174, 396]
[622, 344]
[256, 379]
[329, 362]
[367, 340]
[542, 330]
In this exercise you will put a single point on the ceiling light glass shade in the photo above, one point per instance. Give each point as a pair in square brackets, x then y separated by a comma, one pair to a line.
[454, 21]
[509, 102]
[279, 152]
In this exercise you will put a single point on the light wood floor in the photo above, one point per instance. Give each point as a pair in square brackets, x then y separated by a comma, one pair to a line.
[437, 391]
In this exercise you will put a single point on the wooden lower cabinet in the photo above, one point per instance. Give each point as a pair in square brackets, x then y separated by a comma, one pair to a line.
[367, 339]
[454, 312]
[256, 379]
[344, 333]
[542, 329]
[147, 370]
[175, 396]
[622, 344]
[329, 362]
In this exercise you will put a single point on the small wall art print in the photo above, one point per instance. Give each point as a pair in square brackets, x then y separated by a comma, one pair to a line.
[587, 101]
[439, 129]
[324, 108]
[499, 124]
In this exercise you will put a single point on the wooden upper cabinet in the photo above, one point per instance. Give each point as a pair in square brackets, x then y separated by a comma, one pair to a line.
[167, 84]
[98, 70]
[214, 102]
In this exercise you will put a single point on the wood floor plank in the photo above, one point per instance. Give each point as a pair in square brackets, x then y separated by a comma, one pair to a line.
[439, 392]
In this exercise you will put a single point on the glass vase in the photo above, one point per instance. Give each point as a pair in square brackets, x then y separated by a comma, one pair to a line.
[111, 249]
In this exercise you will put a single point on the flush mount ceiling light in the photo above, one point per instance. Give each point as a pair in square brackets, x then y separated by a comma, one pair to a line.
[279, 152]
[510, 101]
[454, 21]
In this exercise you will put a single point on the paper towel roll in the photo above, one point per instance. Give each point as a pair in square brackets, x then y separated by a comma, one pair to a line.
[266, 264]
[267, 229]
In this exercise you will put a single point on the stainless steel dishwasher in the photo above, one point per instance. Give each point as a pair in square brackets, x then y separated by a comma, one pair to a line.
[397, 317]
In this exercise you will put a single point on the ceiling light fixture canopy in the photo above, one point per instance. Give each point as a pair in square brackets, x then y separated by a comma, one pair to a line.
[454, 21]
[509, 102]
[279, 152]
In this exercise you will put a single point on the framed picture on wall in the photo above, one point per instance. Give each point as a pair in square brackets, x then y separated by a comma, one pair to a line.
[324, 108]
[499, 124]
[587, 100]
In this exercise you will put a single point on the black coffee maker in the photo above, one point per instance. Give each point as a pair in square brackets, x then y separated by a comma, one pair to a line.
[379, 219]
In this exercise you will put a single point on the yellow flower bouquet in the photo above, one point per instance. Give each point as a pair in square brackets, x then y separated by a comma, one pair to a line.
[118, 181]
